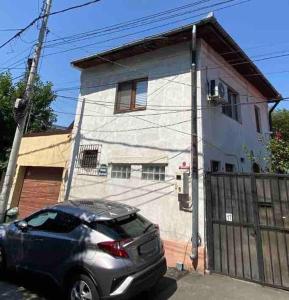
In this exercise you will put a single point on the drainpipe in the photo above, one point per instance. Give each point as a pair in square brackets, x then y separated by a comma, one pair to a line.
[194, 151]
[270, 114]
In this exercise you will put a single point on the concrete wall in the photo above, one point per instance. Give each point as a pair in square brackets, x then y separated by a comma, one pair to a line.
[155, 135]
[40, 151]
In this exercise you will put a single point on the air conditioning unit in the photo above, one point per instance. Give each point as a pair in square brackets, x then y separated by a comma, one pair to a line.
[218, 91]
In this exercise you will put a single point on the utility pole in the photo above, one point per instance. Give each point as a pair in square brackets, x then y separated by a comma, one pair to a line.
[10, 172]
[194, 151]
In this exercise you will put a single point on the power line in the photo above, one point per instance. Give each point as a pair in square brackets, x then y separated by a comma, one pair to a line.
[133, 23]
[145, 30]
[43, 16]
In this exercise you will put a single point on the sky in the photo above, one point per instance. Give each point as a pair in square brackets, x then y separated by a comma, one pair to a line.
[260, 27]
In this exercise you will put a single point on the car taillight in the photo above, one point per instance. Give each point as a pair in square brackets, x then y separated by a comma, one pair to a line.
[114, 248]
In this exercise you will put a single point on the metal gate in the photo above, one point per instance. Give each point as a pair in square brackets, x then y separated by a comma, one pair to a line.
[248, 226]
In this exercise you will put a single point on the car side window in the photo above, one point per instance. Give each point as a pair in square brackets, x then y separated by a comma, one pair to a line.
[42, 220]
[53, 221]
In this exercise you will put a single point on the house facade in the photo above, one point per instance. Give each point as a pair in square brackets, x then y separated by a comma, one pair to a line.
[132, 133]
[41, 171]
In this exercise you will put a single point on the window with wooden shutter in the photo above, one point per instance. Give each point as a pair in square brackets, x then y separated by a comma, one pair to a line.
[131, 95]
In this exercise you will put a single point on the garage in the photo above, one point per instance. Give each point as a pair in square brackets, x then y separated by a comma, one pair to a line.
[41, 187]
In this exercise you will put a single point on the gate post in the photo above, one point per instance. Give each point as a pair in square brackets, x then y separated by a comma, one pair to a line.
[259, 247]
[209, 221]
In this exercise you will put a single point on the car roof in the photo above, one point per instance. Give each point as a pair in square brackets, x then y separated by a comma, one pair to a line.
[91, 210]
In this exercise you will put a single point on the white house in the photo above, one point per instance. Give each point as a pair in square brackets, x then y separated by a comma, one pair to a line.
[132, 133]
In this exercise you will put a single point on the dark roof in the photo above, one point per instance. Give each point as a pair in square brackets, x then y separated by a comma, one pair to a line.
[91, 210]
[209, 30]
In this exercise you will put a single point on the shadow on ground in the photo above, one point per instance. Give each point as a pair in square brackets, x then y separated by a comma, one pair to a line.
[31, 287]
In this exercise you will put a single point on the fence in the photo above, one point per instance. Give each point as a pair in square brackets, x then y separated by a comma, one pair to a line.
[248, 226]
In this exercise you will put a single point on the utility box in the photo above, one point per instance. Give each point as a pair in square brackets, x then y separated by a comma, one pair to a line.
[182, 183]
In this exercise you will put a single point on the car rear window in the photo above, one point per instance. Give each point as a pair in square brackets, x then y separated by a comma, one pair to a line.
[125, 227]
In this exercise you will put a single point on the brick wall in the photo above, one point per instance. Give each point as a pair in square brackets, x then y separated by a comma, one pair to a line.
[176, 251]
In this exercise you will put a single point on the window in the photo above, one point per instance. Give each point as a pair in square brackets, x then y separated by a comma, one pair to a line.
[53, 221]
[257, 118]
[120, 171]
[232, 109]
[229, 168]
[215, 166]
[153, 172]
[124, 228]
[131, 95]
[88, 157]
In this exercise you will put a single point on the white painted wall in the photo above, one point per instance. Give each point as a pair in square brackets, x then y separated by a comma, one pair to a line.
[124, 138]
[224, 138]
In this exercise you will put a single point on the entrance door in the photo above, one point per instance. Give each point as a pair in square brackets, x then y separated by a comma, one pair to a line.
[248, 228]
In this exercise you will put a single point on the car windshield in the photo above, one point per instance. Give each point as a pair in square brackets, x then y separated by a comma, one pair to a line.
[125, 227]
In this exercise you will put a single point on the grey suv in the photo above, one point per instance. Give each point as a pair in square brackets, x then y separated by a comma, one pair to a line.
[93, 248]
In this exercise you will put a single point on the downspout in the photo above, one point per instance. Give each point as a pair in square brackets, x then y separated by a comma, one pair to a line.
[270, 114]
[194, 151]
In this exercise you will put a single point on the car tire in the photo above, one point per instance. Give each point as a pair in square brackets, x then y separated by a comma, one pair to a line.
[82, 287]
[2, 261]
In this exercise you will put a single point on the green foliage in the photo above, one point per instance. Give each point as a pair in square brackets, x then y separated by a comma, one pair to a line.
[279, 155]
[280, 122]
[41, 117]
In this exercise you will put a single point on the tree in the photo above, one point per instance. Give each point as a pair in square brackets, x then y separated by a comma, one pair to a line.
[41, 114]
[279, 143]
[280, 122]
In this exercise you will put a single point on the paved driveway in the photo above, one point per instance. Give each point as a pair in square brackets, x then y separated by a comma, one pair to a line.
[174, 286]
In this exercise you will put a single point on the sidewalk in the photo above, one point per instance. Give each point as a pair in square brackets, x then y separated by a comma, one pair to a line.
[217, 287]
[189, 287]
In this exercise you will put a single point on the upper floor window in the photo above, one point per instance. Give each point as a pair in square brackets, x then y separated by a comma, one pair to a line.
[257, 118]
[131, 95]
[232, 109]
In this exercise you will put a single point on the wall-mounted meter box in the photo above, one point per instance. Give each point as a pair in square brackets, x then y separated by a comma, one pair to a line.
[182, 183]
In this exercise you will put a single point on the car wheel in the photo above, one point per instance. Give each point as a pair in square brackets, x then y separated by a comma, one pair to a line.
[2, 260]
[82, 288]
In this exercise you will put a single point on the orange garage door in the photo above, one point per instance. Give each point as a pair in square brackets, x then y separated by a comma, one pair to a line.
[41, 187]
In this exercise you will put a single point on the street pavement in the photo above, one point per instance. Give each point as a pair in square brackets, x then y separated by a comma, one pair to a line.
[174, 286]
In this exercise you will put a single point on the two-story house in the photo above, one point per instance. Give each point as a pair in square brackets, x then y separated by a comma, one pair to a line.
[132, 134]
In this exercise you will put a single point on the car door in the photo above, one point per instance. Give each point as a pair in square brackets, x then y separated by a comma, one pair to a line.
[49, 241]
[14, 245]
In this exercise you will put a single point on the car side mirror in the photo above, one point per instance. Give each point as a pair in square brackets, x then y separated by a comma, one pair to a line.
[22, 225]
[11, 214]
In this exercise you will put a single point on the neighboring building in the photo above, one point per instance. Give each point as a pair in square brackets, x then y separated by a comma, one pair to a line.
[41, 171]
[133, 127]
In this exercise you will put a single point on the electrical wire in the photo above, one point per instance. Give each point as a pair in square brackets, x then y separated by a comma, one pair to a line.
[43, 16]
[145, 30]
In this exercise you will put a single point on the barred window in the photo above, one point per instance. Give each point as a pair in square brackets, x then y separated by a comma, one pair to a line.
[153, 172]
[120, 171]
[88, 158]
